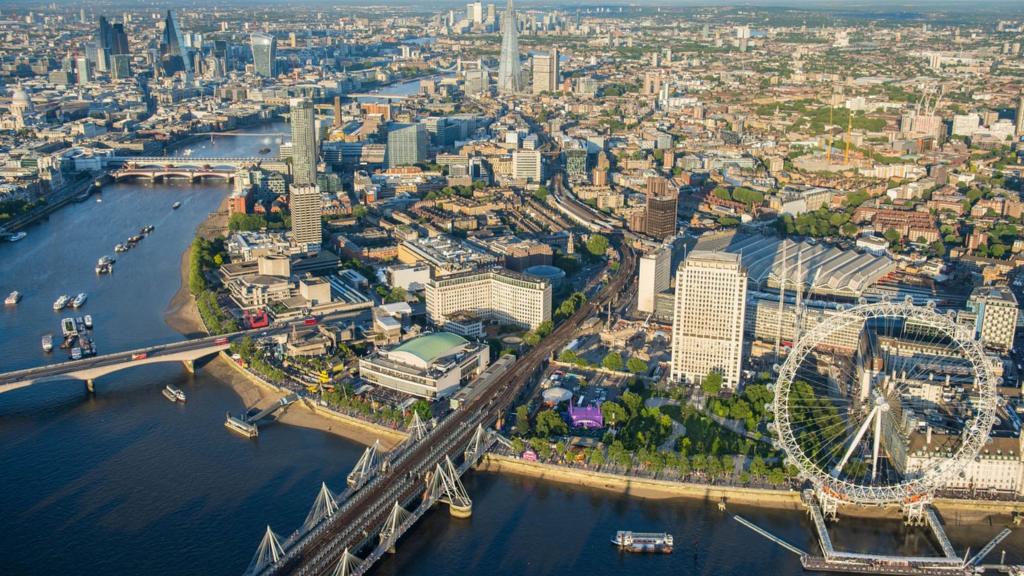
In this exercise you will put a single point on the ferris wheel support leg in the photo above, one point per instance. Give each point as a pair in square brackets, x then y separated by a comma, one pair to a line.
[915, 513]
[856, 440]
[877, 439]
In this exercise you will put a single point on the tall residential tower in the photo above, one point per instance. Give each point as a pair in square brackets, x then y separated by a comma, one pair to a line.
[304, 152]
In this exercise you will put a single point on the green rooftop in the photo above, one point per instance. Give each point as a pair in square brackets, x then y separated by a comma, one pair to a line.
[430, 347]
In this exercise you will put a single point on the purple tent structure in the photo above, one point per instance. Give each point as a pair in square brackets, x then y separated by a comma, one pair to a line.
[586, 416]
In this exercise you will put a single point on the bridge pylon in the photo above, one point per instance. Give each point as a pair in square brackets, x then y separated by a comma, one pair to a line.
[90, 386]
[445, 486]
[417, 428]
[324, 506]
[269, 553]
[365, 467]
[390, 532]
[347, 565]
[477, 445]
[190, 366]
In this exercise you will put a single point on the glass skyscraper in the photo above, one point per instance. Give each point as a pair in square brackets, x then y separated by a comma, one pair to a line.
[510, 73]
[304, 152]
[264, 54]
[407, 145]
[172, 48]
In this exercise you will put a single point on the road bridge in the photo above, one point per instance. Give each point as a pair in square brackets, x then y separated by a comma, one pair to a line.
[89, 369]
[181, 173]
[424, 470]
[184, 351]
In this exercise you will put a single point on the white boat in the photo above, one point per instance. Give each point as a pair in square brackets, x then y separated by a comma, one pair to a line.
[47, 343]
[99, 199]
[661, 543]
[120, 248]
[79, 300]
[12, 298]
[61, 302]
[174, 393]
[76, 353]
[176, 205]
[88, 321]
[18, 236]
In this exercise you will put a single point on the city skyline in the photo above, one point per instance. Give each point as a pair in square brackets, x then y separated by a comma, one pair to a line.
[748, 277]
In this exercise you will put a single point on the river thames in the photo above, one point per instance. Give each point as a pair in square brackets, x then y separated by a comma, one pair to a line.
[124, 482]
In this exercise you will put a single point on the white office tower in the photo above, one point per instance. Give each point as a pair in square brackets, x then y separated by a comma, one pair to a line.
[707, 324]
[527, 165]
[510, 74]
[545, 72]
[304, 203]
[655, 277]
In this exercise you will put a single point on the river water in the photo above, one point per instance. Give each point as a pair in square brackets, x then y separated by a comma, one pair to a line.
[124, 482]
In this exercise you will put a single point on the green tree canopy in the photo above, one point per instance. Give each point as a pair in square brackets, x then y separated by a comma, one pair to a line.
[712, 384]
[612, 361]
[597, 244]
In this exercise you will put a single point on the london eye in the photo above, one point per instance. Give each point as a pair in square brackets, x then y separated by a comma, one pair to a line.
[884, 403]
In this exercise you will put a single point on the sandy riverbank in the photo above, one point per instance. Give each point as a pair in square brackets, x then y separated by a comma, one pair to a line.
[182, 314]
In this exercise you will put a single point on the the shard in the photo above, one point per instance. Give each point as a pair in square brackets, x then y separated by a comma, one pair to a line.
[510, 74]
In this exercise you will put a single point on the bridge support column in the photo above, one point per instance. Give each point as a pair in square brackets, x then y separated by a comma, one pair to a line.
[190, 366]
[90, 387]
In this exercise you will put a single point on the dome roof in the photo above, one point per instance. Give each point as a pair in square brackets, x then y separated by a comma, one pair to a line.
[423, 351]
[21, 96]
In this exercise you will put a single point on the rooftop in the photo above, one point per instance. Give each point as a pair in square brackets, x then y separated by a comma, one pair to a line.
[824, 269]
[424, 350]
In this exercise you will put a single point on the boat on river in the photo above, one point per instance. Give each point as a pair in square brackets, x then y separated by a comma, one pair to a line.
[18, 236]
[173, 393]
[12, 298]
[660, 543]
[47, 343]
[176, 205]
[87, 322]
[61, 302]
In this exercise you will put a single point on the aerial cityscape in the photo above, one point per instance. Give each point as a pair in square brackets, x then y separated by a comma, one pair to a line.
[512, 288]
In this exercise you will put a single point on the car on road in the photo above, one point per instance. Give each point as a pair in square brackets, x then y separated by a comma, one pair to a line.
[140, 356]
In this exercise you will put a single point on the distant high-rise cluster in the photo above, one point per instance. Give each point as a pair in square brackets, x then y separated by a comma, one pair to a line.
[111, 40]
[510, 73]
